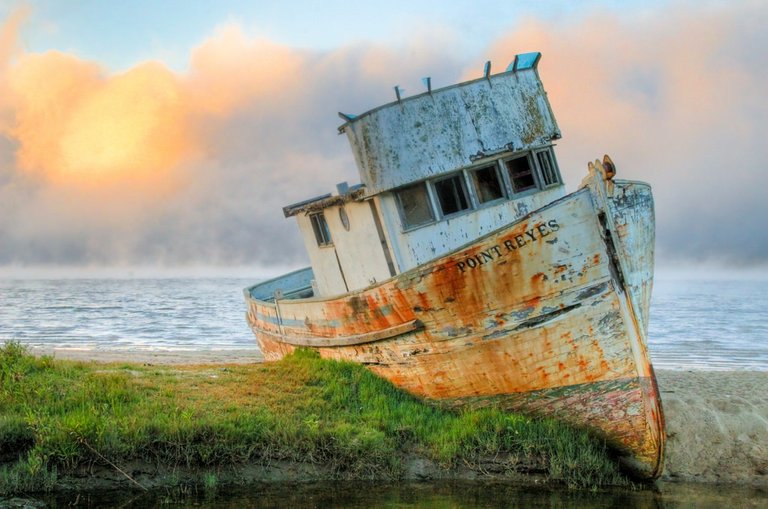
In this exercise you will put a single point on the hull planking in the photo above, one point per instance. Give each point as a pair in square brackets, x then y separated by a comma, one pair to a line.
[547, 316]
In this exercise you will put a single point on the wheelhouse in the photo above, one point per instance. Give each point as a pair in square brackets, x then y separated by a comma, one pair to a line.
[437, 170]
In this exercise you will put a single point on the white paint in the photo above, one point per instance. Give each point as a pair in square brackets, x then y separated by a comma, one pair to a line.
[356, 258]
[418, 246]
[323, 259]
[429, 134]
[359, 249]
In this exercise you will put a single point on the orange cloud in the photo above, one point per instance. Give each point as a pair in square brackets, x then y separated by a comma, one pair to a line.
[9, 33]
[73, 122]
[134, 123]
[103, 162]
[677, 98]
[229, 69]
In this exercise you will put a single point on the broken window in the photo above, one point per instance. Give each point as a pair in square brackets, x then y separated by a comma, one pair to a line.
[520, 174]
[414, 205]
[452, 195]
[547, 166]
[488, 185]
[320, 227]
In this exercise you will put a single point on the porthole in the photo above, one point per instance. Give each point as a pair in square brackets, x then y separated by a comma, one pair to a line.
[344, 218]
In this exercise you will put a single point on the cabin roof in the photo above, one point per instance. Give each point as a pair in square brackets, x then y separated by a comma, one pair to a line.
[318, 203]
[522, 62]
[441, 130]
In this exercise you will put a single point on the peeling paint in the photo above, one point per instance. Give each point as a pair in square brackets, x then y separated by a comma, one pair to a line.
[430, 134]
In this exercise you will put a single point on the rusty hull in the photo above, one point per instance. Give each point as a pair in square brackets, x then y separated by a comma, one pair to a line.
[547, 316]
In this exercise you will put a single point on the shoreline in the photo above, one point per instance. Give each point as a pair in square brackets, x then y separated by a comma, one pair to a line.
[717, 421]
[162, 357]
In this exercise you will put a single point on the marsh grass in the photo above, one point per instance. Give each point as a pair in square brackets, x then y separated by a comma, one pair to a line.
[56, 416]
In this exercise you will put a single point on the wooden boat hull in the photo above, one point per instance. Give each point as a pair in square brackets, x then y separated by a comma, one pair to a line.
[546, 316]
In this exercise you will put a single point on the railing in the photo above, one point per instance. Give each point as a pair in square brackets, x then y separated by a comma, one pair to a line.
[294, 285]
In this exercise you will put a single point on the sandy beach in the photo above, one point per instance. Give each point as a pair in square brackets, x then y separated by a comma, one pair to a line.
[717, 421]
[717, 426]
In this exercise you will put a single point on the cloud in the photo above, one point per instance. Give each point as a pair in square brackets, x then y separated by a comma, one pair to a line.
[9, 35]
[222, 77]
[677, 99]
[72, 122]
[152, 166]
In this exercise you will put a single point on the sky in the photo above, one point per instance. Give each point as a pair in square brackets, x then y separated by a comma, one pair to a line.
[170, 134]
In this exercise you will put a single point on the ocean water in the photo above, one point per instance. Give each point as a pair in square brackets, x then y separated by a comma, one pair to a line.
[709, 324]
[695, 323]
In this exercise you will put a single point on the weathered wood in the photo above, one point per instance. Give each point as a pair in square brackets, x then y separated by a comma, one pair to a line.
[439, 131]
[358, 339]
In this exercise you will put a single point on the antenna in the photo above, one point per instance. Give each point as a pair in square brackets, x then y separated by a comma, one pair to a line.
[427, 83]
[487, 70]
[397, 92]
[512, 67]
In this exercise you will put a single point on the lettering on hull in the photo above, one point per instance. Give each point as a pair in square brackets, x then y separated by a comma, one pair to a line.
[508, 245]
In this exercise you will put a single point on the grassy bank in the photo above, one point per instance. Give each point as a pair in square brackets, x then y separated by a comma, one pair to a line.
[59, 417]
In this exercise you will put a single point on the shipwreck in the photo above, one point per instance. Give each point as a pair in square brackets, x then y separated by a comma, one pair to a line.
[461, 270]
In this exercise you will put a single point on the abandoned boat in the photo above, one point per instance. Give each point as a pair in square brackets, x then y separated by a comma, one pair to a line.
[460, 269]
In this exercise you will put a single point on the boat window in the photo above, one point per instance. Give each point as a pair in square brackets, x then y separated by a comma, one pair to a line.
[320, 227]
[520, 173]
[414, 205]
[547, 165]
[451, 194]
[487, 184]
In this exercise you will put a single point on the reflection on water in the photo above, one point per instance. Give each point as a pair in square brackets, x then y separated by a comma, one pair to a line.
[422, 495]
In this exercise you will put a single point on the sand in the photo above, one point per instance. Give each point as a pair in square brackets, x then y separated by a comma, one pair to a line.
[717, 421]
[717, 426]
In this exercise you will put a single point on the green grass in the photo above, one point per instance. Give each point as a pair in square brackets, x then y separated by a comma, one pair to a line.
[57, 415]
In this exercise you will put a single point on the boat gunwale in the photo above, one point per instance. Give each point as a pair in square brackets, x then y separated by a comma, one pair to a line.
[247, 291]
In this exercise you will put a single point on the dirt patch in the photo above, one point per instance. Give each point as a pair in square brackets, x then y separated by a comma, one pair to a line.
[415, 468]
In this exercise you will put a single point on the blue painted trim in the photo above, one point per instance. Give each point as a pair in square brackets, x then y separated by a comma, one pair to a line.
[291, 283]
[525, 61]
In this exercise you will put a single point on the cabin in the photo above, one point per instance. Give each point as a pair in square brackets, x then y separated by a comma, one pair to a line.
[437, 171]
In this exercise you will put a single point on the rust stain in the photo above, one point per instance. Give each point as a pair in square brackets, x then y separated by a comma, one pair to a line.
[470, 346]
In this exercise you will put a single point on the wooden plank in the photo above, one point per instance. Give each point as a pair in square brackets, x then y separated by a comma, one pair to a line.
[359, 339]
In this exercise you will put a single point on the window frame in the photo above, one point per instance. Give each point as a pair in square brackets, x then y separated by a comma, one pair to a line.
[401, 210]
[464, 188]
[473, 188]
[321, 229]
[467, 181]
[554, 168]
[533, 172]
